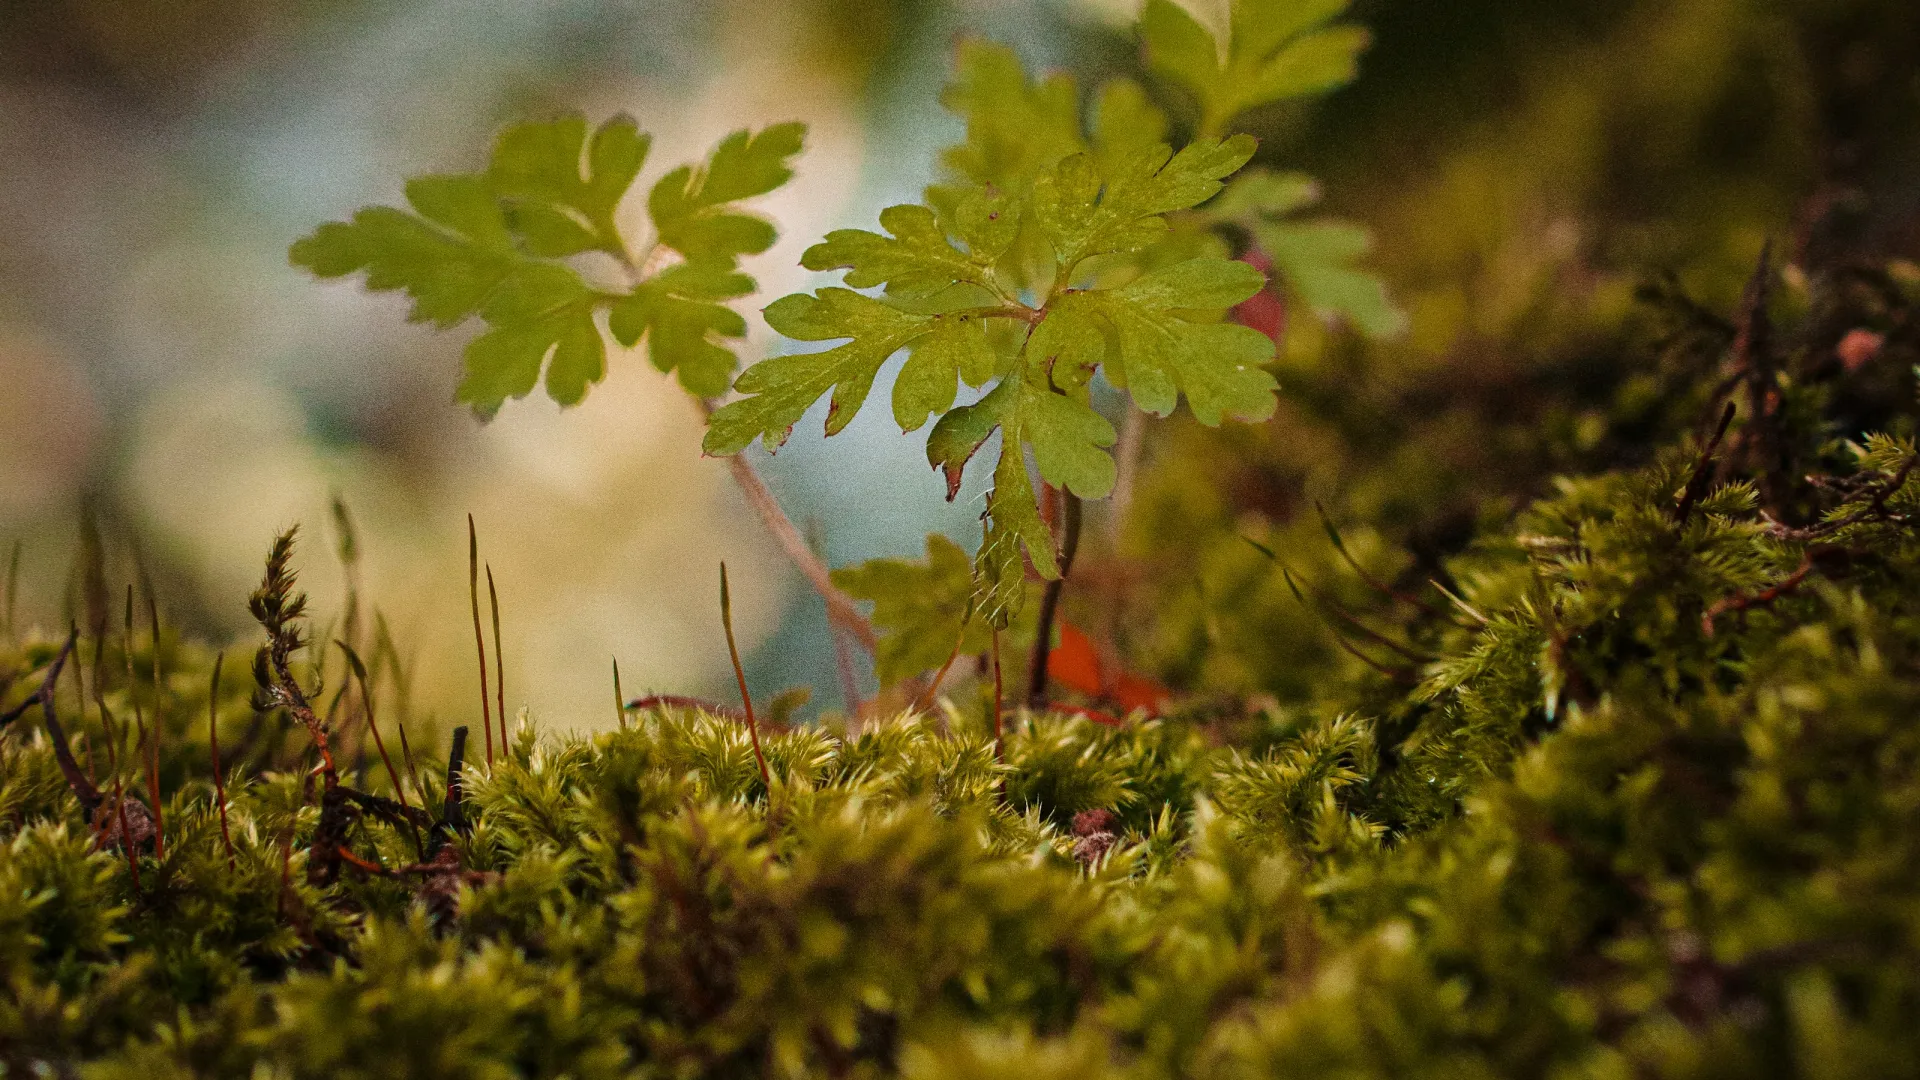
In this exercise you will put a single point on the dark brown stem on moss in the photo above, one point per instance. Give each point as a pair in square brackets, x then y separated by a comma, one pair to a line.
[1702, 470]
[499, 663]
[479, 642]
[83, 789]
[1744, 601]
[1050, 601]
[453, 814]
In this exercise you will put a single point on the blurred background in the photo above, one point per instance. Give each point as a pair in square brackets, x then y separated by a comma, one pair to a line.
[1526, 168]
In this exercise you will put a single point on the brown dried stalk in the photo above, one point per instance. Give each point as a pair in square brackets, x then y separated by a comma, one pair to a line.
[499, 661]
[479, 642]
[1050, 601]
[840, 606]
[740, 674]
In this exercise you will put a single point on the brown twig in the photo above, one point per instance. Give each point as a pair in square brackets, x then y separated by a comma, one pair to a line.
[479, 642]
[740, 675]
[925, 700]
[1381, 587]
[213, 750]
[499, 661]
[1050, 601]
[840, 607]
[1744, 601]
[83, 788]
[1702, 469]
[453, 813]
[619, 699]
[1873, 509]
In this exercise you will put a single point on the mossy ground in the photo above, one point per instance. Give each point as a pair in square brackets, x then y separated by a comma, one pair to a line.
[1642, 798]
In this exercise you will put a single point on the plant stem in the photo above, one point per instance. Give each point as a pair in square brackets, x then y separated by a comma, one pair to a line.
[840, 607]
[499, 664]
[619, 699]
[479, 642]
[1050, 602]
[740, 674]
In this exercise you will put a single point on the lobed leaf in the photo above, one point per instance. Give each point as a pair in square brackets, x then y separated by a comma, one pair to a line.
[782, 388]
[1162, 352]
[921, 610]
[1275, 50]
[1085, 213]
[1016, 129]
[484, 245]
[557, 209]
[690, 206]
[1318, 259]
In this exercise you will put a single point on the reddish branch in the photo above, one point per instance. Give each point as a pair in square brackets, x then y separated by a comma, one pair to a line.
[1744, 601]
[840, 606]
[1050, 601]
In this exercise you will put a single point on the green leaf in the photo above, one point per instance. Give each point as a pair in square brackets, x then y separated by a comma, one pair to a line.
[541, 309]
[1013, 524]
[1276, 50]
[1069, 441]
[957, 348]
[1065, 348]
[1163, 352]
[916, 259]
[558, 210]
[1083, 216]
[482, 244]
[689, 205]
[1016, 129]
[1318, 259]
[1125, 122]
[449, 258]
[1259, 193]
[921, 610]
[960, 433]
[782, 388]
[683, 322]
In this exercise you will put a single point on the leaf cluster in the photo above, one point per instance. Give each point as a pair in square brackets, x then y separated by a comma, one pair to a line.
[510, 245]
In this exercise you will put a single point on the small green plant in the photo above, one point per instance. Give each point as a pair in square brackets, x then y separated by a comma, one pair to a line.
[1058, 247]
